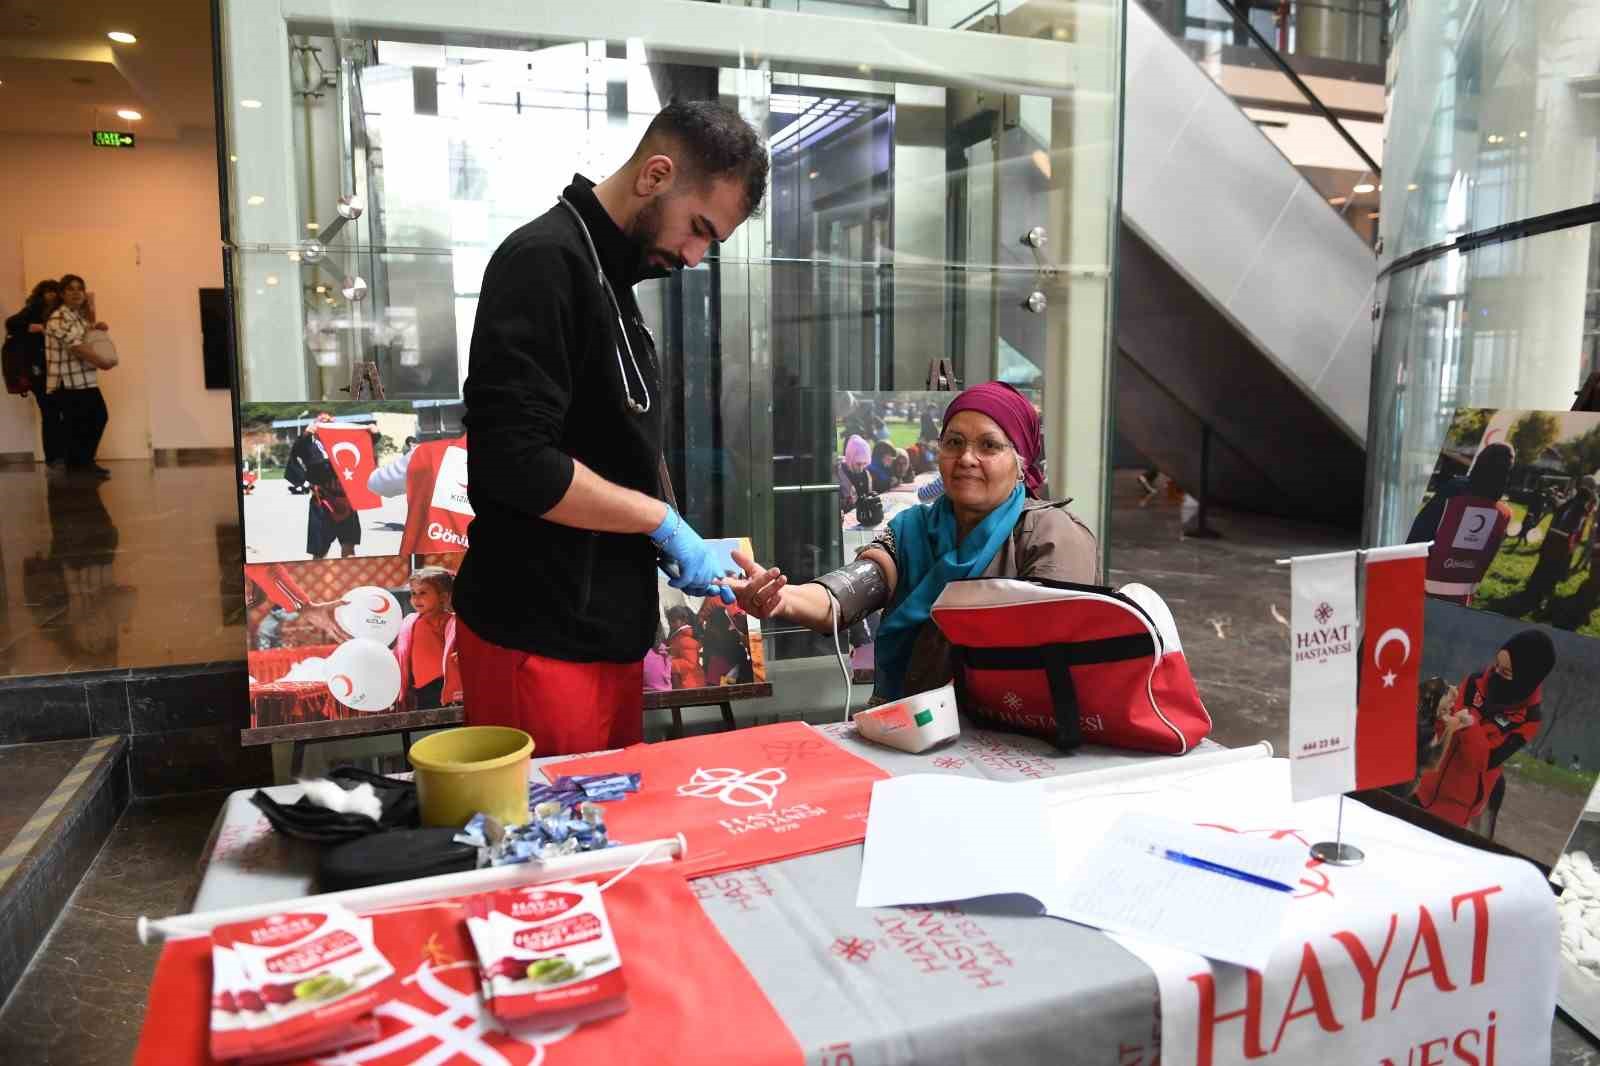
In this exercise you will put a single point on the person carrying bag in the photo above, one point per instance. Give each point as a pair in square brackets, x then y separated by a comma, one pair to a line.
[77, 348]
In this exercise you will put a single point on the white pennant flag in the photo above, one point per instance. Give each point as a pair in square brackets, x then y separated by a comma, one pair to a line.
[1322, 678]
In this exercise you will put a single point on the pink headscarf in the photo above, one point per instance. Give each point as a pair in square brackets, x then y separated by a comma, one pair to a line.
[857, 451]
[1016, 418]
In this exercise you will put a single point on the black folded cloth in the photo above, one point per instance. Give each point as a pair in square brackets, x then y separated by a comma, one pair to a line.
[396, 856]
[304, 820]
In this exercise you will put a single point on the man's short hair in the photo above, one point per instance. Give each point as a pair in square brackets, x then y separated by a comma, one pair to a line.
[714, 142]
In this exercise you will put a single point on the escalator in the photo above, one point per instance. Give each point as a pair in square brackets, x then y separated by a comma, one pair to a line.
[1244, 301]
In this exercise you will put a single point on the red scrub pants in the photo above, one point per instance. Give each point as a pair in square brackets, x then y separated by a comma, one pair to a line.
[568, 708]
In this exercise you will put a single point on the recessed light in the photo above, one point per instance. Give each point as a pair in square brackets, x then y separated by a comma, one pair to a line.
[312, 226]
[123, 37]
[321, 289]
[1337, 200]
[1365, 187]
[1523, 134]
[1412, 187]
[233, 159]
[129, 113]
[257, 200]
[272, 279]
[250, 103]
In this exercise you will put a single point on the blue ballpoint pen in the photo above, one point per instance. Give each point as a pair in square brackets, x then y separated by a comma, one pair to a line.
[1217, 868]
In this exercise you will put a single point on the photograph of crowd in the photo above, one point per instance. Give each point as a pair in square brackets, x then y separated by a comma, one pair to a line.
[354, 479]
[1511, 512]
[703, 643]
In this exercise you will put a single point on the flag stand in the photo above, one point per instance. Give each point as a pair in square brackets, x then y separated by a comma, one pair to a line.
[1335, 852]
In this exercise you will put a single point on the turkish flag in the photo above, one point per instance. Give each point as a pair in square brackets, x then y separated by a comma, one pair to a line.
[740, 799]
[349, 449]
[1391, 661]
[684, 984]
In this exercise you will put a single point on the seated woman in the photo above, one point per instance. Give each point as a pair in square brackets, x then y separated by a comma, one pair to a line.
[989, 523]
[854, 481]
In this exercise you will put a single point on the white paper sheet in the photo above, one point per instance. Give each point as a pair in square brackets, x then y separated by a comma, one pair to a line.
[1126, 884]
[932, 838]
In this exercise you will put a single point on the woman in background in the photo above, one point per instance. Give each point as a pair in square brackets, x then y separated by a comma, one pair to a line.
[854, 481]
[72, 380]
[430, 667]
[27, 328]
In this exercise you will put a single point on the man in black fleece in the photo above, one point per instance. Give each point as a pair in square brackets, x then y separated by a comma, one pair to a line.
[556, 598]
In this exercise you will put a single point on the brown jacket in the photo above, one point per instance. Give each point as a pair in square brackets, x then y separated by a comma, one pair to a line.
[1048, 542]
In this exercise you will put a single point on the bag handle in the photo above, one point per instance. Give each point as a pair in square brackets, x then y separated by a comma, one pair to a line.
[1064, 695]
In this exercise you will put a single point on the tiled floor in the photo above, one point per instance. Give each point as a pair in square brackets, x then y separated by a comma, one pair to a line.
[140, 570]
[28, 773]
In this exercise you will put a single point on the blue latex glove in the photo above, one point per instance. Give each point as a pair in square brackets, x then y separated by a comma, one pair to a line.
[689, 562]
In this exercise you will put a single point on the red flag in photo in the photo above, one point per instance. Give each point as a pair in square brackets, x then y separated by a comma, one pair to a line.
[1391, 661]
[740, 799]
[349, 449]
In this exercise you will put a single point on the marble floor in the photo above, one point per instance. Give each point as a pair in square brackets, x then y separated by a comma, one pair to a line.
[142, 569]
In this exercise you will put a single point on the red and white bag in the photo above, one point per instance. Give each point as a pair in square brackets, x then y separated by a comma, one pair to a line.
[1072, 664]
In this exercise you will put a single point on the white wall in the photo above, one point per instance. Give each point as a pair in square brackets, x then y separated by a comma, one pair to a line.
[164, 195]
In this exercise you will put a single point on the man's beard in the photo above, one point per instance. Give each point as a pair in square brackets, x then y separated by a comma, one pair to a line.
[645, 231]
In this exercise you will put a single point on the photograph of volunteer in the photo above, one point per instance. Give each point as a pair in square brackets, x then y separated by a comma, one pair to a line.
[330, 517]
[990, 522]
[1496, 714]
[556, 596]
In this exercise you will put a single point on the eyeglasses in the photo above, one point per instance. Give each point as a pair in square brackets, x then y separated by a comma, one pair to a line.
[955, 446]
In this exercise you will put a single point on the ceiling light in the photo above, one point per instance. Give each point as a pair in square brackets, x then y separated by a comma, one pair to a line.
[1523, 134]
[123, 37]
[129, 113]
[272, 279]
[1337, 200]
[257, 200]
[1365, 186]
[312, 226]
[233, 159]
[249, 103]
[1412, 187]
[322, 288]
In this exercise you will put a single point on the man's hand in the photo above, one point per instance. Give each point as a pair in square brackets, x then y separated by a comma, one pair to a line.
[693, 565]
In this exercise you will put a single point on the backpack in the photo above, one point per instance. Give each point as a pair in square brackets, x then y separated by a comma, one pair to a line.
[16, 363]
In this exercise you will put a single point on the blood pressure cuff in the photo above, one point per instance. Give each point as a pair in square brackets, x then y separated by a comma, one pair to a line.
[860, 588]
[1072, 664]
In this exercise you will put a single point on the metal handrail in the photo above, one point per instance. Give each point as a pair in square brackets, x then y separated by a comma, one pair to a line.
[1304, 89]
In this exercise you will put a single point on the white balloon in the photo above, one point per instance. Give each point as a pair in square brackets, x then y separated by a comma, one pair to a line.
[370, 612]
[363, 675]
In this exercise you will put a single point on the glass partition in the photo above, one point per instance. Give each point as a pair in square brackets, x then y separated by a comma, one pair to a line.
[379, 152]
[1491, 258]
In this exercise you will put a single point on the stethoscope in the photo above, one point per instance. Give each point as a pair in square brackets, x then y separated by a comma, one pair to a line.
[622, 327]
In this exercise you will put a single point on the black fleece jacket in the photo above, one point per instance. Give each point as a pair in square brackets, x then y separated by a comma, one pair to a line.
[543, 388]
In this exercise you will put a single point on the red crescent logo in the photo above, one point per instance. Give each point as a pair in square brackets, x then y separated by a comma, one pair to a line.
[349, 686]
[380, 604]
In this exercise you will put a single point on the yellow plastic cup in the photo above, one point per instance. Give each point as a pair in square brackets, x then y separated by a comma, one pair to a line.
[460, 772]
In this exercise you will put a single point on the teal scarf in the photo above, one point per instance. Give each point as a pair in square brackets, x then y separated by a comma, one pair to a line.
[928, 558]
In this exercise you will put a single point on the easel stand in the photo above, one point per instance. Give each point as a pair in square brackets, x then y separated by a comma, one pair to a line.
[1336, 852]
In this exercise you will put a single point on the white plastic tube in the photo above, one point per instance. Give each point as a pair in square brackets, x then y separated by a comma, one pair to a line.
[424, 889]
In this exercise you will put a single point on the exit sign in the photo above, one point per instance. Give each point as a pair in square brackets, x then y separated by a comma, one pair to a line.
[111, 139]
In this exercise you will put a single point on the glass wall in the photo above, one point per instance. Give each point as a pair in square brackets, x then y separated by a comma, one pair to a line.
[380, 151]
[1494, 119]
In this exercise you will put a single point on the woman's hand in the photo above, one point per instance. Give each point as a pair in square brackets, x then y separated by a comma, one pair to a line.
[761, 593]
